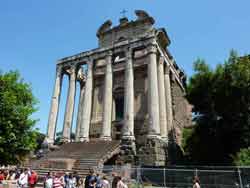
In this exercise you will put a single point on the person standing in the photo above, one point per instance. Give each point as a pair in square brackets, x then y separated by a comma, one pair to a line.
[77, 179]
[90, 180]
[23, 179]
[98, 181]
[120, 183]
[1, 176]
[71, 181]
[196, 182]
[105, 182]
[58, 181]
[66, 179]
[115, 180]
[12, 175]
[48, 181]
[32, 179]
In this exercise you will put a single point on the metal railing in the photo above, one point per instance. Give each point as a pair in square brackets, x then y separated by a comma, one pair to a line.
[175, 176]
[181, 176]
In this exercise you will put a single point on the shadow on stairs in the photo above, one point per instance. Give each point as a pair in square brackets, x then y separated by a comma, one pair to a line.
[77, 156]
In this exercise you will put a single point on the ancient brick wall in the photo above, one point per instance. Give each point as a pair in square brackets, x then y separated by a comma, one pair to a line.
[181, 110]
[141, 105]
[97, 108]
[133, 31]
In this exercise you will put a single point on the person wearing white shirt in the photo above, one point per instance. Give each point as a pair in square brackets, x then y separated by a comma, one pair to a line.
[196, 182]
[105, 182]
[23, 179]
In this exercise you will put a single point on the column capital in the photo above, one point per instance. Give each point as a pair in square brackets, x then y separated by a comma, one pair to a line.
[71, 70]
[59, 69]
[109, 53]
[152, 48]
[90, 60]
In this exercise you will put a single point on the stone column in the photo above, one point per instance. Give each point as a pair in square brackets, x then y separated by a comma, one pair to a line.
[87, 104]
[53, 115]
[128, 127]
[169, 108]
[107, 104]
[68, 117]
[153, 96]
[79, 112]
[162, 99]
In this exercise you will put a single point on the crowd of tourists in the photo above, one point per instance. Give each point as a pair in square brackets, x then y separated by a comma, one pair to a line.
[62, 180]
[22, 177]
[27, 178]
[93, 180]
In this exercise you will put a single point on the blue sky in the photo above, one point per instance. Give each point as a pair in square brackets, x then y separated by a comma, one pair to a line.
[34, 34]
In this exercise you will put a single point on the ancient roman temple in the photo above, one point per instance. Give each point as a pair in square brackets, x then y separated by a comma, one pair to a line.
[132, 95]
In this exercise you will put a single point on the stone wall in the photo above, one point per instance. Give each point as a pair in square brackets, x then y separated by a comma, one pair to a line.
[126, 32]
[97, 107]
[141, 105]
[153, 152]
[181, 110]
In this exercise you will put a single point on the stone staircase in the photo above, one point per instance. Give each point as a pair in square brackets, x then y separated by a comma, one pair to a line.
[77, 156]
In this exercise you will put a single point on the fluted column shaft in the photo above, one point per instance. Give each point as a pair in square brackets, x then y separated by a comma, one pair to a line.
[68, 117]
[53, 115]
[79, 112]
[168, 99]
[128, 127]
[87, 104]
[153, 96]
[107, 107]
[162, 99]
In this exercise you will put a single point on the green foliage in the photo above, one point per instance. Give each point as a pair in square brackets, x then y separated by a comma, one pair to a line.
[186, 134]
[39, 141]
[17, 136]
[242, 158]
[222, 110]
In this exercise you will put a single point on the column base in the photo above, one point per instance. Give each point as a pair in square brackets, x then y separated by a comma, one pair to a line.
[106, 138]
[153, 152]
[165, 139]
[128, 149]
[154, 136]
[48, 141]
[128, 137]
[65, 140]
[47, 144]
[83, 139]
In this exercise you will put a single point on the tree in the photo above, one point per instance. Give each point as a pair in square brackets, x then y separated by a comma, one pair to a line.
[17, 103]
[222, 110]
[242, 158]
[39, 141]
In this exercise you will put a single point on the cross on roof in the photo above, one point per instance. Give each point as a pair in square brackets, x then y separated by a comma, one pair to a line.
[123, 12]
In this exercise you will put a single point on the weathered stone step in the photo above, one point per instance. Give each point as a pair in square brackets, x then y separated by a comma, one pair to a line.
[82, 156]
[91, 162]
